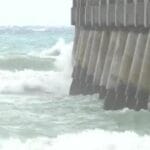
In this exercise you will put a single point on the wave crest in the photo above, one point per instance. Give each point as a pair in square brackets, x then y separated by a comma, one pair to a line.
[50, 59]
[40, 75]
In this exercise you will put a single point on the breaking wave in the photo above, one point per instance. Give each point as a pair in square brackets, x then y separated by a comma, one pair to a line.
[47, 71]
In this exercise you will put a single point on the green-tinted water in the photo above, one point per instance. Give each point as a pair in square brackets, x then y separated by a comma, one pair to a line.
[36, 112]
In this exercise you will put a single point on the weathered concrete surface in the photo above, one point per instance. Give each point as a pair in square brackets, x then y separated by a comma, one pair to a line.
[101, 60]
[125, 70]
[108, 61]
[142, 94]
[135, 70]
[79, 56]
[84, 66]
[92, 62]
[114, 70]
[111, 53]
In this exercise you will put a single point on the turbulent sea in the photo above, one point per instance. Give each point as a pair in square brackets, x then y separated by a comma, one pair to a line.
[36, 112]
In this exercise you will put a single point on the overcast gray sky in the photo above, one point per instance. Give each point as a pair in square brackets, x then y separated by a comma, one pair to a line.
[35, 12]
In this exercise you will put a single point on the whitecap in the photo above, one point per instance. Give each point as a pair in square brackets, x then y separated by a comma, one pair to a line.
[86, 140]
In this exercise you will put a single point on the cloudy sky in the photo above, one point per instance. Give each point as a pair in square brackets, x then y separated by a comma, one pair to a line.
[35, 12]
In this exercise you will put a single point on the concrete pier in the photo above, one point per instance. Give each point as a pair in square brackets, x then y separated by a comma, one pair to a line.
[111, 52]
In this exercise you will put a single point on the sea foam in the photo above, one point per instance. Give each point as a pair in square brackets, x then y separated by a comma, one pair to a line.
[35, 81]
[86, 140]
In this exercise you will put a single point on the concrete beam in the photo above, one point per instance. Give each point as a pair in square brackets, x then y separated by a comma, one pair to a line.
[139, 13]
[82, 75]
[103, 12]
[119, 13]
[129, 18]
[110, 18]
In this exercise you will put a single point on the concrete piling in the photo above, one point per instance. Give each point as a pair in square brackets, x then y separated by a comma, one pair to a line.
[111, 52]
[135, 70]
[105, 38]
[125, 70]
[92, 62]
[84, 66]
[139, 14]
[108, 61]
[129, 13]
[110, 17]
[143, 90]
[114, 70]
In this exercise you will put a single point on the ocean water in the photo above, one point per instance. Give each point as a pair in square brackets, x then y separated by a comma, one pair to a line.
[36, 112]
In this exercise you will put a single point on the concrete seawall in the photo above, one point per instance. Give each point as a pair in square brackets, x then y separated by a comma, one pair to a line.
[111, 53]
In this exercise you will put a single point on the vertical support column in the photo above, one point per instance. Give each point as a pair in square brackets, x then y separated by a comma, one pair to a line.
[85, 62]
[143, 90]
[135, 70]
[75, 44]
[110, 21]
[76, 68]
[114, 70]
[92, 62]
[124, 70]
[81, 46]
[108, 61]
[101, 60]
[80, 37]
[96, 13]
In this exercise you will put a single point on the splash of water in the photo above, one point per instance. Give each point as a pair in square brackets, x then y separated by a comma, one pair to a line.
[32, 81]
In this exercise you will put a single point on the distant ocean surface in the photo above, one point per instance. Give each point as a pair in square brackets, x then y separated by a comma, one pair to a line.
[36, 112]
